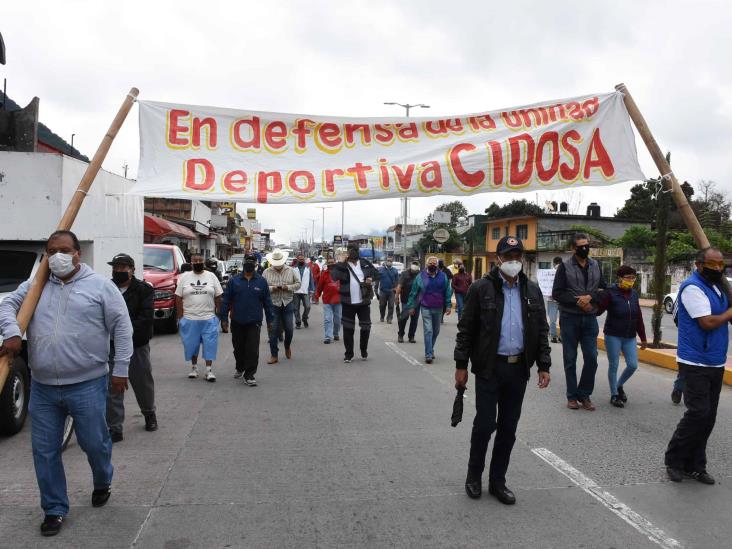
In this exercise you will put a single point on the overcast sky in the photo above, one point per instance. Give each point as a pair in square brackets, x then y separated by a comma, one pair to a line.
[348, 58]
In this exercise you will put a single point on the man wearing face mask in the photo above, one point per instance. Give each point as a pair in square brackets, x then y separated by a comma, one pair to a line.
[388, 278]
[331, 292]
[703, 314]
[578, 288]
[79, 312]
[431, 293]
[502, 333]
[403, 289]
[138, 296]
[245, 298]
[304, 292]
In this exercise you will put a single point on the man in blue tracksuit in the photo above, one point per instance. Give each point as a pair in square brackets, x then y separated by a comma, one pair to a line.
[245, 298]
[388, 280]
[703, 313]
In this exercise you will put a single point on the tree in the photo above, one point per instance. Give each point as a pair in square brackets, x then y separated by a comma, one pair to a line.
[638, 237]
[514, 208]
[456, 210]
[643, 203]
[712, 208]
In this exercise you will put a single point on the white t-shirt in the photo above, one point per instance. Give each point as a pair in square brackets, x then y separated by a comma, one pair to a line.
[355, 282]
[697, 305]
[198, 292]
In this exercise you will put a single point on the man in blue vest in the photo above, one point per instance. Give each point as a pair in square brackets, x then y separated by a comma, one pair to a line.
[703, 313]
[578, 284]
[388, 279]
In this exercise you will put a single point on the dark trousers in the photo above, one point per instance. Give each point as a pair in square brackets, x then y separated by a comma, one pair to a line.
[283, 320]
[498, 401]
[303, 299]
[143, 385]
[687, 449]
[245, 338]
[579, 330]
[348, 322]
[386, 305]
[413, 322]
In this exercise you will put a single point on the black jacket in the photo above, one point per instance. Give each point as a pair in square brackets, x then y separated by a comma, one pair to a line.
[479, 328]
[342, 273]
[139, 300]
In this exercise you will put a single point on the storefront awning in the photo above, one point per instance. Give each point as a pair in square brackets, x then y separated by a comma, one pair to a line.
[157, 226]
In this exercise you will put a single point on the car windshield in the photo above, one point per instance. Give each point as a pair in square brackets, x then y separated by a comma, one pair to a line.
[158, 258]
[15, 267]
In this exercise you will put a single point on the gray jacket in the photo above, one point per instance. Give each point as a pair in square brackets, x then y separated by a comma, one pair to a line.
[69, 334]
[570, 282]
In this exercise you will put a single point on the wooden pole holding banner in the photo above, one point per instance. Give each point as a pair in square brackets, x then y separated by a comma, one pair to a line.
[34, 293]
[682, 204]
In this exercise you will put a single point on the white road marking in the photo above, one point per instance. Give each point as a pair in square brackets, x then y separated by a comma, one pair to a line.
[406, 356]
[638, 522]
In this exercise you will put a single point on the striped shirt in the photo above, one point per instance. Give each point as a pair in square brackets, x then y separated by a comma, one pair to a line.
[287, 278]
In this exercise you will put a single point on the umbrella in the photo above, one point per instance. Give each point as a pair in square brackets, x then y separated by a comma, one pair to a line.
[457, 407]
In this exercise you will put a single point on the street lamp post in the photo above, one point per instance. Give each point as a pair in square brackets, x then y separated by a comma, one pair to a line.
[405, 211]
[322, 228]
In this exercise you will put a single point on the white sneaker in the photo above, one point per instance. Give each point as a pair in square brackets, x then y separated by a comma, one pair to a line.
[193, 374]
[251, 381]
[210, 375]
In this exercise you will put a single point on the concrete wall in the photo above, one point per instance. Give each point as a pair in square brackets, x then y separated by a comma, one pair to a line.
[613, 229]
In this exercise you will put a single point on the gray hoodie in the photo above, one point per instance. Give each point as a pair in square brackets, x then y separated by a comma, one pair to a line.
[69, 334]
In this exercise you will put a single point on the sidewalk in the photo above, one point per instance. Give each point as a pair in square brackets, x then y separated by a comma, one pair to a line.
[647, 303]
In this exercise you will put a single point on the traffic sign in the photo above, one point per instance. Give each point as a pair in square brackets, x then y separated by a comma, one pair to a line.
[441, 235]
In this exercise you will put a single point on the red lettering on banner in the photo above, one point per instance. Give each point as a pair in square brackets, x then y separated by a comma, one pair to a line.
[567, 173]
[329, 136]
[441, 128]
[481, 122]
[403, 178]
[407, 132]
[192, 168]
[328, 180]
[497, 163]
[363, 129]
[294, 186]
[301, 131]
[383, 134]
[253, 142]
[574, 110]
[275, 136]
[430, 176]
[209, 125]
[174, 118]
[597, 157]
[383, 174]
[359, 171]
[590, 107]
[235, 181]
[548, 138]
[268, 183]
[463, 177]
[520, 176]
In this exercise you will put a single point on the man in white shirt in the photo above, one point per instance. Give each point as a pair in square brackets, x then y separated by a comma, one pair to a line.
[304, 292]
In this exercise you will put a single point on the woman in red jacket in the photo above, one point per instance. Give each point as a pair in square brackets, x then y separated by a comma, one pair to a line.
[330, 290]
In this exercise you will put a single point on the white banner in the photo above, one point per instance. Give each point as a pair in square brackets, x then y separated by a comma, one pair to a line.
[545, 279]
[210, 153]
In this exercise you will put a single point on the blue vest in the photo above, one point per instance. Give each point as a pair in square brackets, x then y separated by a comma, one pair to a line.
[622, 313]
[695, 344]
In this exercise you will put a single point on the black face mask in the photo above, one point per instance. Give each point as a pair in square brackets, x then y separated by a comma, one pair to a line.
[198, 267]
[432, 268]
[583, 251]
[301, 263]
[249, 267]
[120, 277]
[711, 275]
[353, 256]
[461, 269]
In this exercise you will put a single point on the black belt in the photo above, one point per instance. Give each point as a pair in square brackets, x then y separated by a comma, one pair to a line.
[512, 359]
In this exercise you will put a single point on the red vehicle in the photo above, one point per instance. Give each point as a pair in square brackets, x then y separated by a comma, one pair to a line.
[162, 267]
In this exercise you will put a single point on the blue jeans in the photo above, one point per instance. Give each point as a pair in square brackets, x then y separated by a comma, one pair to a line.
[459, 302]
[579, 330]
[331, 320]
[431, 319]
[553, 309]
[614, 345]
[283, 316]
[49, 405]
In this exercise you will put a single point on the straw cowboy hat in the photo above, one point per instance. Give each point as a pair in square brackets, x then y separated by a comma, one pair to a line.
[277, 258]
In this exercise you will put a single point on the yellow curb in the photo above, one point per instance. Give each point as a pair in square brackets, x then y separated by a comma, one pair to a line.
[666, 358]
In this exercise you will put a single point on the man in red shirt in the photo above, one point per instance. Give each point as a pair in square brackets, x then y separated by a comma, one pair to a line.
[330, 290]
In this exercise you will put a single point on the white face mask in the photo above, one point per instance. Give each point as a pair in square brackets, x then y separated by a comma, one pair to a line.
[60, 264]
[414, 268]
[511, 268]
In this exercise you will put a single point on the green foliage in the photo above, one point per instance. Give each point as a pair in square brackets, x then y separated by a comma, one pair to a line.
[592, 231]
[642, 204]
[513, 208]
[454, 243]
[639, 238]
[456, 209]
[681, 246]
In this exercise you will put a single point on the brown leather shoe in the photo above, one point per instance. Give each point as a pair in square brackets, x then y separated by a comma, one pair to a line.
[273, 360]
[288, 352]
[587, 405]
[572, 404]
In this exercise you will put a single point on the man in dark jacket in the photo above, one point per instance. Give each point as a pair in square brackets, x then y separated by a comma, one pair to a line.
[245, 297]
[502, 333]
[403, 289]
[357, 277]
[138, 296]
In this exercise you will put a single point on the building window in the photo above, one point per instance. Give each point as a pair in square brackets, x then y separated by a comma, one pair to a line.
[522, 232]
[496, 233]
[545, 264]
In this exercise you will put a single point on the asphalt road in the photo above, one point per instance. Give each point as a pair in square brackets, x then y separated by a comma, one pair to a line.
[323, 454]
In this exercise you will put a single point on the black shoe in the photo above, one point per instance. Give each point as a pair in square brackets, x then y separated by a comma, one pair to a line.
[151, 422]
[621, 394]
[305, 323]
[412, 340]
[674, 475]
[381, 319]
[473, 485]
[100, 497]
[502, 494]
[616, 401]
[555, 340]
[297, 326]
[701, 476]
[51, 525]
[336, 338]
[117, 436]
[429, 360]
[676, 396]
[326, 341]
[388, 321]
[400, 339]
[364, 355]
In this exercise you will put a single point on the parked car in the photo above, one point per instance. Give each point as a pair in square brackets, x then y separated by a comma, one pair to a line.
[669, 301]
[162, 267]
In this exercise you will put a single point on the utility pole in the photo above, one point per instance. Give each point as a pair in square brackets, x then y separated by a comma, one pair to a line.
[312, 236]
[322, 228]
[405, 210]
